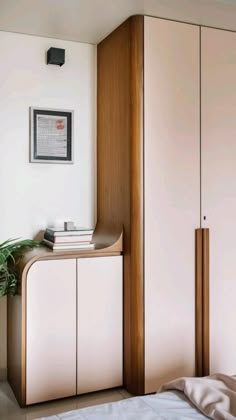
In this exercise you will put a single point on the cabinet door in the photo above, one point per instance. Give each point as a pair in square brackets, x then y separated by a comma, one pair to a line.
[219, 190]
[99, 323]
[51, 330]
[172, 197]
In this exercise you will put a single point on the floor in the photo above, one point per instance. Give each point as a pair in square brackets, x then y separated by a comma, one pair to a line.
[10, 410]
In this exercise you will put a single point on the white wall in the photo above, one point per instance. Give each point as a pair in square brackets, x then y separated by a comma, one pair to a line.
[33, 195]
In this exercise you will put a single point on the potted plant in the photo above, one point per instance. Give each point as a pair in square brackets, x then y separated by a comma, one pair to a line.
[10, 253]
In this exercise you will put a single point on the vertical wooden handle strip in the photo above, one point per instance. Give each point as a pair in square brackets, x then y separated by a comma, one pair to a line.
[206, 298]
[202, 302]
[199, 301]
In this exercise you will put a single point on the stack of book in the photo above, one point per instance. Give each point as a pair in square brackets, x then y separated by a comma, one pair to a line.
[66, 240]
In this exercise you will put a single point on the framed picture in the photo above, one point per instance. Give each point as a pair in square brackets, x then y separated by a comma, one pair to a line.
[51, 135]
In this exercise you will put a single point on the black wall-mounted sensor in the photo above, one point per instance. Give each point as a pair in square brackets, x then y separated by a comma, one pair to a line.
[56, 56]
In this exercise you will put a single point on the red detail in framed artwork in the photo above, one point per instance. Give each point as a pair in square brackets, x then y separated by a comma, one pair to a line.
[60, 125]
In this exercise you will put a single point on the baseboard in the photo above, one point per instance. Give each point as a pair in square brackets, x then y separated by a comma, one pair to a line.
[3, 374]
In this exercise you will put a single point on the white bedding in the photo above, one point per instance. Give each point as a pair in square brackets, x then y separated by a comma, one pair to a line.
[214, 396]
[164, 406]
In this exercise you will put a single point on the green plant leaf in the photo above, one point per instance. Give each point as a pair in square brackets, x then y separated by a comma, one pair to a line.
[11, 251]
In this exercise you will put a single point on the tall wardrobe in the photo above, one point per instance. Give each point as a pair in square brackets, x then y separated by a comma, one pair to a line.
[166, 172]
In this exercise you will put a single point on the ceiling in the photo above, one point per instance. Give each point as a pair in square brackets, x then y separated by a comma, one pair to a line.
[91, 20]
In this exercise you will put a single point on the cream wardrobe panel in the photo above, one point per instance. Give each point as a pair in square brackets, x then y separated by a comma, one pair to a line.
[99, 323]
[51, 330]
[172, 197]
[219, 190]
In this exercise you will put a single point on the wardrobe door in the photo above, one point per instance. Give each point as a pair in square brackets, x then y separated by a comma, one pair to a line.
[219, 190]
[99, 323]
[51, 330]
[172, 197]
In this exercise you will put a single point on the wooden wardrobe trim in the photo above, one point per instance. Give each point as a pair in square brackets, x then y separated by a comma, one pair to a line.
[202, 302]
[199, 303]
[206, 302]
[137, 205]
[120, 174]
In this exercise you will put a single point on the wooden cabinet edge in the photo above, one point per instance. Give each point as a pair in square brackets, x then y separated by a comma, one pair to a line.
[137, 385]
[14, 349]
[120, 174]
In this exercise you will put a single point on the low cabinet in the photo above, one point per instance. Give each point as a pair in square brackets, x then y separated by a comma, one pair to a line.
[65, 327]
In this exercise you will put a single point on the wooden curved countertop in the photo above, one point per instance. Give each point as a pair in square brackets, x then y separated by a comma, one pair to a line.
[109, 244]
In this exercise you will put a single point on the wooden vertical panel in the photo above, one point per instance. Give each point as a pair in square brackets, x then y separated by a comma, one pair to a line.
[120, 176]
[137, 210]
[113, 130]
[16, 339]
[206, 303]
[202, 302]
[14, 347]
[199, 303]
[113, 153]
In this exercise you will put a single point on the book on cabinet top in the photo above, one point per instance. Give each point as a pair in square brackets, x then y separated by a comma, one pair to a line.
[74, 232]
[84, 238]
[68, 247]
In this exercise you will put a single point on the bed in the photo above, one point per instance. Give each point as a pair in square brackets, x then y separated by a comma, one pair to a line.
[165, 406]
[183, 399]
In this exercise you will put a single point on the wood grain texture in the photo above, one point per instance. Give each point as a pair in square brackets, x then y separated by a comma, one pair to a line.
[119, 160]
[137, 208]
[199, 303]
[202, 302]
[206, 302]
[107, 244]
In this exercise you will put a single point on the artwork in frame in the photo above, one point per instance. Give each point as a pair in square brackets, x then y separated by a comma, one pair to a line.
[51, 135]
